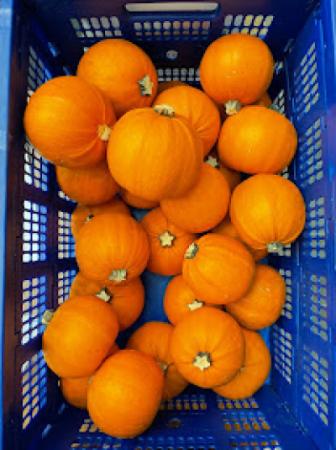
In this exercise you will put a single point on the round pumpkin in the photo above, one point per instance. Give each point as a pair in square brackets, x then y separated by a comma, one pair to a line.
[254, 372]
[137, 202]
[122, 71]
[261, 306]
[90, 186]
[69, 122]
[83, 214]
[268, 211]
[232, 177]
[207, 347]
[203, 206]
[74, 391]
[125, 394]
[112, 248]
[167, 243]
[161, 159]
[236, 69]
[247, 141]
[198, 108]
[153, 338]
[264, 100]
[164, 85]
[78, 336]
[218, 268]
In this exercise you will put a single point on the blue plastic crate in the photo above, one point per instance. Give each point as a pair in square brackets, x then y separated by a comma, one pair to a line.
[40, 39]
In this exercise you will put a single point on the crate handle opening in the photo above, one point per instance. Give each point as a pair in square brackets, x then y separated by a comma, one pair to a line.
[163, 7]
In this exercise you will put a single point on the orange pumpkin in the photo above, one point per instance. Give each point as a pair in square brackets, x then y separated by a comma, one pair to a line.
[167, 243]
[198, 108]
[268, 211]
[125, 394]
[236, 69]
[112, 248]
[253, 373]
[218, 268]
[83, 214]
[262, 304]
[69, 122]
[203, 206]
[90, 186]
[207, 347]
[74, 391]
[247, 141]
[227, 229]
[126, 300]
[164, 85]
[78, 336]
[162, 158]
[122, 71]
[153, 338]
[232, 177]
[137, 202]
[264, 100]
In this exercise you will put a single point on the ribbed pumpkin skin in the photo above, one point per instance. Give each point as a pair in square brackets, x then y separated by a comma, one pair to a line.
[147, 165]
[232, 177]
[267, 209]
[264, 100]
[74, 391]
[137, 202]
[236, 67]
[254, 372]
[115, 67]
[247, 141]
[125, 394]
[63, 120]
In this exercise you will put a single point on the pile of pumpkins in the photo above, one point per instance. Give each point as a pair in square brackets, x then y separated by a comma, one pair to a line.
[119, 138]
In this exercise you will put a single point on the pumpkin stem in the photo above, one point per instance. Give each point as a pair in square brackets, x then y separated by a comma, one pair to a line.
[118, 275]
[164, 366]
[196, 304]
[202, 361]
[232, 107]
[274, 247]
[167, 239]
[104, 294]
[213, 162]
[191, 251]
[47, 316]
[164, 110]
[104, 132]
[89, 217]
[146, 86]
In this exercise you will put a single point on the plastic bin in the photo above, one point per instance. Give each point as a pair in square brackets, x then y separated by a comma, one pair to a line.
[40, 39]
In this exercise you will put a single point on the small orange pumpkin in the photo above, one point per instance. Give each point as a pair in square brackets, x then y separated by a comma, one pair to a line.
[253, 373]
[83, 214]
[137, 202]
[264, 100]
[203, 206]
[112, 248]
[69, 121]
[247, 141]
[167, 242]
[198, 108]
[262, 304]
[218, 268]
[74, 391]
[207, 347]
[164, 85]
[268, 211]
[90, 186]
[125, 394]
[78, 336]
[232, 177]
[122, 71]
[153, 338]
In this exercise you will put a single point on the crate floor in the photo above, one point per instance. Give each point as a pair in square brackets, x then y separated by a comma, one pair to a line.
[197, 420]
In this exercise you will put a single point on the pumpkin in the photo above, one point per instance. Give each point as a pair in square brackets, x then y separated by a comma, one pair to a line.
[74, 391]
[198, 108]
[264, 100]
[232, 177]
[268, 211]
[69, 122]
[247, 141]
[253, 373]
[203, 206]
[125, 394]
[78, 336]
[219, 269]
[261, 306]
[137, 202]
[164, 85]
[167, 243]
[207, 347]
[83, 214]
[126, 300]
[112, 248]
[236, 69]
[122, 71]
[90, 186]
[228, 229]
[154, 154]
[153, 338]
